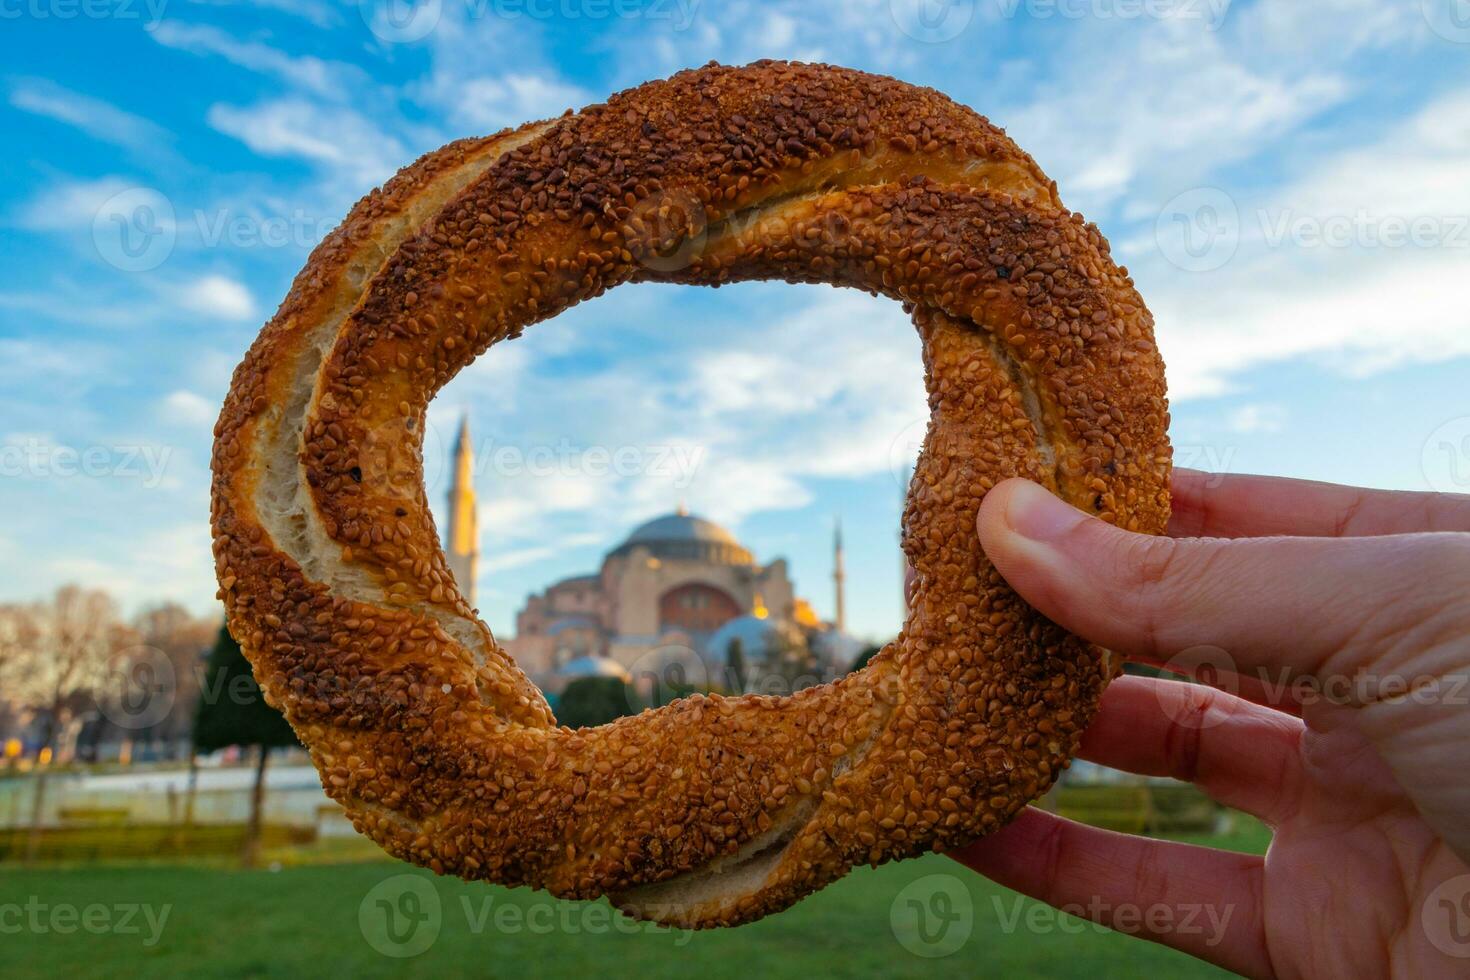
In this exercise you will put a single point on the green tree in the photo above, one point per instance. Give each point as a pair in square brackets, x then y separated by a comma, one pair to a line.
[591, 701]
[735, 665]
[862, 658]
[232, 711]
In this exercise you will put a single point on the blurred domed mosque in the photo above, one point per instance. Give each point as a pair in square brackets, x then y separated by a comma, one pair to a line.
[680, 600]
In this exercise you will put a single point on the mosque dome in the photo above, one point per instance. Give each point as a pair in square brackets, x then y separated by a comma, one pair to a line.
[682, 535]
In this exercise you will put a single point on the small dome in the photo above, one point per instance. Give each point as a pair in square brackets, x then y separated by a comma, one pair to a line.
[757, 636]
[682, 535]
[839, 649]
[591, 666]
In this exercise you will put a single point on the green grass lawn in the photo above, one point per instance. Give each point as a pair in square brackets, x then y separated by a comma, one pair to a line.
[305, 921]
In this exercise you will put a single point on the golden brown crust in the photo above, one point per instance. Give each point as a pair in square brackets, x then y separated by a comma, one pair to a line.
[1039, 360]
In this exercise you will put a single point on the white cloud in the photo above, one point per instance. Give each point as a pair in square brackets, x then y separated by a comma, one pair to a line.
[1376, 301]
[489, 103]
[217, 296]
[501, 561]
[333, 80]
[859, 33]
[1160, 105]
[778, 30]
[320, 13]
[487, 72]
[71, 205]
[1252, 418]
[334, 138]
[28, 360]
[92, 116]
[187, 408]
[1367, 315]
[1330, 29]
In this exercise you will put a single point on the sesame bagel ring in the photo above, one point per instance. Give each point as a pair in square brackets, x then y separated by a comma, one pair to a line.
[1040, 362]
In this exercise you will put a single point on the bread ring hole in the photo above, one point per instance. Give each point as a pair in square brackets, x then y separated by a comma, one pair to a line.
[738, 417]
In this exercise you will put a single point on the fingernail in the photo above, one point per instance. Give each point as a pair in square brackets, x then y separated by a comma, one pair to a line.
[1033, 513]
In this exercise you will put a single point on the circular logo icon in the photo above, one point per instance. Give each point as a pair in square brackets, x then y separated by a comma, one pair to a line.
[1207, 665]
[401, 21]
[933, 916]
[671, 228]
[666, 674]
[932, 21]
[1199, 230]
[903, 452]
[139, 688]
[1445, 459]
[1450, 19]
[134, 230]
[401, 916]
[1446, 917]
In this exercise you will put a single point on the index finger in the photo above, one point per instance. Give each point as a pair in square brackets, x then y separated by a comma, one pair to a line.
[1135, 885]
[1218, 505]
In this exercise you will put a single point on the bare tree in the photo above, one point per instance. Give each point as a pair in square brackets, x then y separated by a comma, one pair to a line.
[60, 654]
[20, 634]
[170, 656]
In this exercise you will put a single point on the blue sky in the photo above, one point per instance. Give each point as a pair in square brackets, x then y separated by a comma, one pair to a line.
[1288, 181]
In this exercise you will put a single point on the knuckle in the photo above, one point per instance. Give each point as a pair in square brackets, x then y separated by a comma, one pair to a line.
[1151, 875]
[1183, 739]
[1147, 560]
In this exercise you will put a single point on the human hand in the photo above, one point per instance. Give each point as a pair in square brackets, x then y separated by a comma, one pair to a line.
[1355, 602]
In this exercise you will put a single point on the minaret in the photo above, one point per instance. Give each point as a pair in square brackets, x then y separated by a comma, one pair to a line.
[839, 577]
[462, 542]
